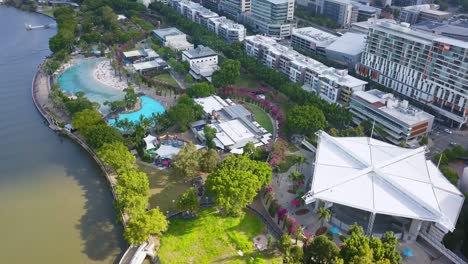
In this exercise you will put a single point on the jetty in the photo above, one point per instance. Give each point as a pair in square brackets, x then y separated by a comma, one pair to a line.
[45, 26]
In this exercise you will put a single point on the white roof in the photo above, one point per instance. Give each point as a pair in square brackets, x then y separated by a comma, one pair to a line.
[233, 131]
[167, 151]
[372, 175]
[211, 103]
[149, 142]
[349, 43]
[320, 37]
[121, 17]
[145, 65]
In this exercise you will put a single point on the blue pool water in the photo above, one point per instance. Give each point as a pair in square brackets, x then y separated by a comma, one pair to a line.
[79, 78]
[148, 106]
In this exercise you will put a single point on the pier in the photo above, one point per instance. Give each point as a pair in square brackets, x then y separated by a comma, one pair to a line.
[31, 27]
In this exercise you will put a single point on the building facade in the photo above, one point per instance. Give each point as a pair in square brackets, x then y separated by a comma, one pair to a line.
[400, 121]
[234, 8]
[227, 29]
[223, 27]
[271, 17]
[424, 67]
[332, 85]
[347, 49]
[420, 13]
[172, 38]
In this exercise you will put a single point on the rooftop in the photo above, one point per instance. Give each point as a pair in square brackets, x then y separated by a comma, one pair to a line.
[400, 110]
[349, 43]
[199, 52]
[370, 22]
[342, 78]
[148, 53]
[421, 7]
[457, 27]
[228, 23]
[381, 178]
[404, 31]
[148, 65]
[318, 36]
[163, 32]
[436, 12]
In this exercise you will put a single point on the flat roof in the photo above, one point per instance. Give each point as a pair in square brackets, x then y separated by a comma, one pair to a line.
[211, 103]
[381, 178]
[163, 32]
[436, 12]
[200, 51]
[349, 43]
[146, 65]
[388, 104]
[315, 35]
[235, 130]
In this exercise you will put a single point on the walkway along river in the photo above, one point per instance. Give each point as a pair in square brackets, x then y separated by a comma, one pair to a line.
[55, 205]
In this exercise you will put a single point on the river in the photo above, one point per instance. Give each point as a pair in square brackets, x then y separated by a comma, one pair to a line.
[55, 205]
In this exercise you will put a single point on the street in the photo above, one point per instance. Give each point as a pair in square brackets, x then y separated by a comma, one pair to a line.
[441, 140]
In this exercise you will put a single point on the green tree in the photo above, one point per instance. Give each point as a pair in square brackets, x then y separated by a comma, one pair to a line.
[142, 225]
[130, 97]
[187, 162]
[296, 176]
[202, 89]
[450, 174]
[185, 112]
[117, 156]
[424, 140]
[98, 135]
[305, 119]
[250, 150]
[86, 118]
[295, 255]
[228, 73]
[356, 249]
[209, 160]
[323, 215]
[210, 134]
[79, 104]
[188, 201]
[284, 243]
[321, 251]
[236, 181]
[132, 190]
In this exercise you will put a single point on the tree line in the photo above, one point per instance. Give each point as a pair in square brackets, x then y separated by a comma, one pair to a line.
[336, 115]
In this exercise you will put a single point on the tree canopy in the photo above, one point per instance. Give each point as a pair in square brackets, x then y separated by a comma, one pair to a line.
[236, 181]
[228, 73]
[185, 112]
[186, 162]
[321, 251]
[202, 89]
[117, 156]
[188, 201]
[209, 160]
[86, 118]
[142, 225]
[305, 119]
[98, 135]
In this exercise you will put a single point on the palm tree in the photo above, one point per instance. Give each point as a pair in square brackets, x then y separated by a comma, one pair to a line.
[296, 176]
[323, 214]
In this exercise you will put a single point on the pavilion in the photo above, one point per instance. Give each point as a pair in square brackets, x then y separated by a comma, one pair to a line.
[382, 187]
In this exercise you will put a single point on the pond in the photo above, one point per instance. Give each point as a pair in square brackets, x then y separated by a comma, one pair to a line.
[148, 107]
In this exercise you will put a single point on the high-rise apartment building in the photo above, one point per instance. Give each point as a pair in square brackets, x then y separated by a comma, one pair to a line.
[343, 12]
[272, 17]
[427, 68]
[330, 84]
[234, 8]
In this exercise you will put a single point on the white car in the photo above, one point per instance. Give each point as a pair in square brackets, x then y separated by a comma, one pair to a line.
[448, 131]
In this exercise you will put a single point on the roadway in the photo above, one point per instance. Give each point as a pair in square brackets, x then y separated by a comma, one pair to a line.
[441, 140]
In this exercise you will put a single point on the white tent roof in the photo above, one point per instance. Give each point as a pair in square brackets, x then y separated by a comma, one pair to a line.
[372, 175]
[167, 151]
[149, 142]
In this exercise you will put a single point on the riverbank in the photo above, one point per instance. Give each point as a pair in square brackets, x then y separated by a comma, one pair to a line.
[40, 90]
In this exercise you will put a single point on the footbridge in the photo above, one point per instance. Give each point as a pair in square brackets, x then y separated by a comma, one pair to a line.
[135, 254]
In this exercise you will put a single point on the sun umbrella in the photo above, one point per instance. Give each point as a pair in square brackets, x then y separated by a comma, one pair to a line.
[334, 230]
[407, 252]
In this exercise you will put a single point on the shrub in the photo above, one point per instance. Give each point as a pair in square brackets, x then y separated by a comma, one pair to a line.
[241, 241]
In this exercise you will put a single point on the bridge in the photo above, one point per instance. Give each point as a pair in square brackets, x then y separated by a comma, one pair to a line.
[136, 254]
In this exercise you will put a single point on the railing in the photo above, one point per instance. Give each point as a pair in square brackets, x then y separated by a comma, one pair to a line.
[441, 248]
[277, 233]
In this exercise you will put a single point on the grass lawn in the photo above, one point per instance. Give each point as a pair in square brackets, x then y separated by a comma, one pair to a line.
[163, 188]
[246, 80]
[167, 78]
[49, 12]
[211, 238]
[288, 161]
[261, 117]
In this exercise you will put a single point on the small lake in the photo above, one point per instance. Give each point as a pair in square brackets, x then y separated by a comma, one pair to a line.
[79, 78]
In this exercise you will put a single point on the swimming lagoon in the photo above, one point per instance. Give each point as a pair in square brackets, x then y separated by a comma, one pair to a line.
[79, 78]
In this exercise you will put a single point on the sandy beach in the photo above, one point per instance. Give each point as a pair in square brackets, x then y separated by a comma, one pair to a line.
[105, 75]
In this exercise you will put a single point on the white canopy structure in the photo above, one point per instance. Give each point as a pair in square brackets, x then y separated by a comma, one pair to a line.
[167, 151]
[149, 142]
[381, 178]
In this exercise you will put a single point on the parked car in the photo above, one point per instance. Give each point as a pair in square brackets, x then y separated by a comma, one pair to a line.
[453, 143]
[448, 131]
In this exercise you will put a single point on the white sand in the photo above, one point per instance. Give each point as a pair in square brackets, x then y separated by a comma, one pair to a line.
[104, 73]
